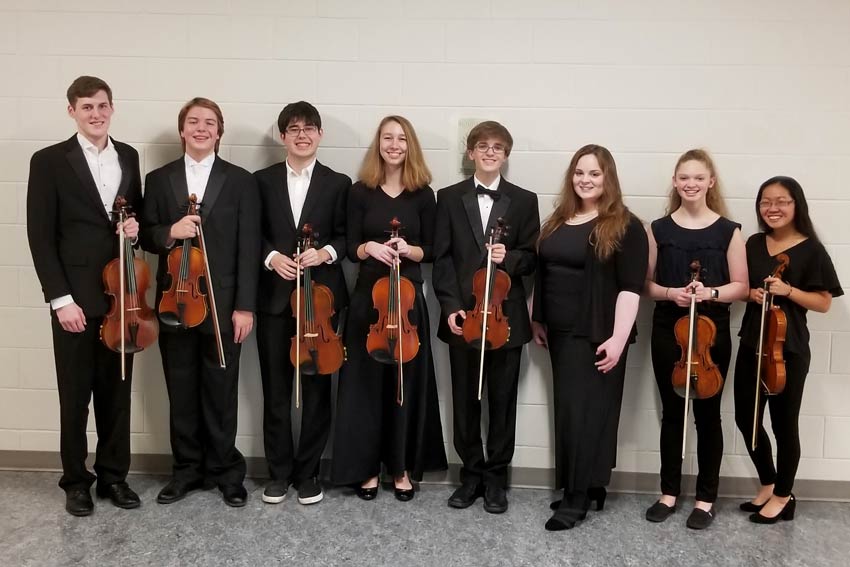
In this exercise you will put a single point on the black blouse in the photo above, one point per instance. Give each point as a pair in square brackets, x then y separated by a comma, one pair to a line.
[589, 309]
[809, 269]
[370, 211]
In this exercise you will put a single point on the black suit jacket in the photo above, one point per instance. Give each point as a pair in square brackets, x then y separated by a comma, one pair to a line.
[324, 209]
[460, 250]
[71, 236]
[230, 214]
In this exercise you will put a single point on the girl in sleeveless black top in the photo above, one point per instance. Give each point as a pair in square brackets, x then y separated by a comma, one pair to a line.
[695, 230]
[808, 283]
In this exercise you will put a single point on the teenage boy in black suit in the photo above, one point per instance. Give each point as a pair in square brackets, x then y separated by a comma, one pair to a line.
[293, 193]
[203, 396]
[72, 189]
[466, 212]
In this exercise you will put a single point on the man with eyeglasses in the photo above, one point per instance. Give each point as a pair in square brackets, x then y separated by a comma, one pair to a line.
[466, 215]
[295, 192]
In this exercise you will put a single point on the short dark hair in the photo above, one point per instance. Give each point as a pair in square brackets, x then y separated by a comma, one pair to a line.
[86, 86]
[301, 110]
[203, 103]
[490, 129]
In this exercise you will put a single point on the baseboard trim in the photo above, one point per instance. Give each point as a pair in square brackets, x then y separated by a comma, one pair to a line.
[524, 477]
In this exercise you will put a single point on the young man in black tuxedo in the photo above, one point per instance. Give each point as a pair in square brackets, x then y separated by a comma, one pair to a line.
[203, 396]
[71, 192]
[293, 193]
[466, 213]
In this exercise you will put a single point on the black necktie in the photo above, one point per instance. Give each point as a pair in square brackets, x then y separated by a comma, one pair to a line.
[481, 190]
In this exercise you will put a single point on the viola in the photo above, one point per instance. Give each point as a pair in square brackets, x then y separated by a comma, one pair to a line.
[316, 347]
[486, 326]
[770, 364]
[393, 339]
[695, 375]
[130, 326]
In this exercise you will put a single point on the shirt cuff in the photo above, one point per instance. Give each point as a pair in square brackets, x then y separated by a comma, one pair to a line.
[331, 252]
[60, 302]
[268, 261]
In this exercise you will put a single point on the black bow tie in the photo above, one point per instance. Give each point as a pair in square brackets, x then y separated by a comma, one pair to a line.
[480, 190]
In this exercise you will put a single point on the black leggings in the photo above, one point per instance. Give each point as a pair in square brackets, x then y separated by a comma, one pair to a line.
[665, 354]
[784, 417]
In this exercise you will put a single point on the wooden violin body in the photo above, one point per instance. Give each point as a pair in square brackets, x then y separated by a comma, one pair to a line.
[774, 327]
[183, 303]
[490, 286]
[316, 347]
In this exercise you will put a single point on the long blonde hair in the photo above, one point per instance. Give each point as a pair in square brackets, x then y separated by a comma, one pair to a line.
[414, 172]
[613, 216]
[714, 196]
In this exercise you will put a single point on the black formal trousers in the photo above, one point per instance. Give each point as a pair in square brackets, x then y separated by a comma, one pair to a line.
[665, 354]
[86, 370]
[274, 335]
[501, 379]
[203, 406]
[784, 418]
[587, 413]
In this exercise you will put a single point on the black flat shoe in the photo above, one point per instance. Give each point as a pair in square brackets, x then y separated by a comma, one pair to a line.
[700, 519]
[786, 514]
[659, 512]
[120, 494]
[748, 506]
[404, 494]
[78, 502]
[466, 495]
[234, 495]
[366, 493]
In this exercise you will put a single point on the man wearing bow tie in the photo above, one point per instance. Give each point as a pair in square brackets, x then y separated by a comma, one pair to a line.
[72, 188]
[203, 395]
[466, 214]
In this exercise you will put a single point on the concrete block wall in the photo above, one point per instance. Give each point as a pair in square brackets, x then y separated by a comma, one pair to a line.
[764, 85]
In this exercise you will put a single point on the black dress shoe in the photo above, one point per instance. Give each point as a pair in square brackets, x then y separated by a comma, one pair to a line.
[465, 495]
[78, 502]
[366, 493]
[177, 490]
[748, 506]
[700, 519]
[495, 499]
[786, 514]
[659, 512]
[119, 494]
[234, 495]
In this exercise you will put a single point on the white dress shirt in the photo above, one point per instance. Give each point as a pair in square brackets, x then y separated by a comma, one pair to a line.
[297, 185]
[485, 202]
[198, 174]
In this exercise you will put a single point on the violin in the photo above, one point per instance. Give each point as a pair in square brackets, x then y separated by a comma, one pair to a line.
[316, 348]
[770, 365]
[695, 375]
[393, 339]
[183, 303]
[130, 325]
[486, 326]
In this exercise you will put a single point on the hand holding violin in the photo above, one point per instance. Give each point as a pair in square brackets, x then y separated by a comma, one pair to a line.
[314, 257]
[187, 227]
[777, 287]
[499, 252]
[681, 296]
[130, 226]
[381, 252]
[284, 266]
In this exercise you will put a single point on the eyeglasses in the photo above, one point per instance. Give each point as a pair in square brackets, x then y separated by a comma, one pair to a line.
[778, 203]
[484, 147]
[296, 130]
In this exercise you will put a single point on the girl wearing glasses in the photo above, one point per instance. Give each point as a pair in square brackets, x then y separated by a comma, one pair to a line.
[592, 264]
[695, 229]
[809, 282]
[372, 428]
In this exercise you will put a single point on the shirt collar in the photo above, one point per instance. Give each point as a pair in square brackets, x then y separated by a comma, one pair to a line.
[493, 187]
[88, 146]
[308, 171]
[206, 162]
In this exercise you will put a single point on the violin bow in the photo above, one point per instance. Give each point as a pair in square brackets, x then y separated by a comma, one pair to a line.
[298, 323]
[122, 284]
[211, 295]
[400, 396]
[695, 267]
[486, 310]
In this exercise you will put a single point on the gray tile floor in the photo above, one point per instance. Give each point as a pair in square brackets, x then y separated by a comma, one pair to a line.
[201, 530]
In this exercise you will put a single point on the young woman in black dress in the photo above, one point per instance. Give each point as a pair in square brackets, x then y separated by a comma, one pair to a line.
[371, 427]
[695, 229]
[809, 282]
[591, 271]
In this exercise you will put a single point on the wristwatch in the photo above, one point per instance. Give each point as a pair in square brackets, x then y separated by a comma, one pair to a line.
[715, 294]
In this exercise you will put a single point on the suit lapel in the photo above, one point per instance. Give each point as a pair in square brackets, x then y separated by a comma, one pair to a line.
[214, 185]
[178, 184]
[126, 171]
[81, 168]
[313, 193]
[473, 213]
[281, 192]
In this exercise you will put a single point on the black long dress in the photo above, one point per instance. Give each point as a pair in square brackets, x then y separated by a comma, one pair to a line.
[371, 428]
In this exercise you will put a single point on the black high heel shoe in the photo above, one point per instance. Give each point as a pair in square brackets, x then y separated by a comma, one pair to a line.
[597, 494]
[748, 506]
[786, 514]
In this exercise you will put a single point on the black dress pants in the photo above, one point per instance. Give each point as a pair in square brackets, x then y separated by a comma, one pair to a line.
[501, 377]
[86, 369]
[274, 338]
